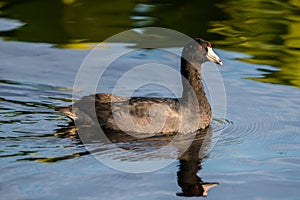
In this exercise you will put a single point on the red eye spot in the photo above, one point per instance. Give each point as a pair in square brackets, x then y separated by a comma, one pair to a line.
[200, 47]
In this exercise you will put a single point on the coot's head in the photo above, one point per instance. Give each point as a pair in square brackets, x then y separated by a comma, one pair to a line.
[198, 51]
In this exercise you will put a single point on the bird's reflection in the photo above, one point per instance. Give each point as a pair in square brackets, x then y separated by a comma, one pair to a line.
[190, 158]
[189, 165]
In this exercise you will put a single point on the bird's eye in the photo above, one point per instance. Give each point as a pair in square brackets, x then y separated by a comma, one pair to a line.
[200, 47]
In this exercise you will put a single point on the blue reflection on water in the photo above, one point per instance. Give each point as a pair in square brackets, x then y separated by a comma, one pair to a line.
[260, 145]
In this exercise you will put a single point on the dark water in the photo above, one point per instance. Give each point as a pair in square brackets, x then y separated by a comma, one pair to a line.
[43, 44]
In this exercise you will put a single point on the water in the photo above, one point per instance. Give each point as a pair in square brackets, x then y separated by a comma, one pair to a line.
[257, 155]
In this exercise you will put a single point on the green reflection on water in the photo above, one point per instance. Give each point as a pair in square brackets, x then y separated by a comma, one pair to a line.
[66, 22]
[73, 23]
[266, 30]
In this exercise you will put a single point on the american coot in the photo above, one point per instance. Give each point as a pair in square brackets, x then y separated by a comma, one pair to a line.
[154, 115]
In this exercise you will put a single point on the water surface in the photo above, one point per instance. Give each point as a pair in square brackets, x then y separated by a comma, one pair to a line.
[257, 155]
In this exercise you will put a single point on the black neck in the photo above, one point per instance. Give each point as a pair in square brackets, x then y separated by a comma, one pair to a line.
[192, 75]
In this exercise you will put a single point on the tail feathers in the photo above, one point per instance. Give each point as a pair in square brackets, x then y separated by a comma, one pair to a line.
[67, 110]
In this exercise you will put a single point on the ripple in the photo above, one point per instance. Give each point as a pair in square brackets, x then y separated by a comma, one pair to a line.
[54, 159]
[271, 134]
[28, 123]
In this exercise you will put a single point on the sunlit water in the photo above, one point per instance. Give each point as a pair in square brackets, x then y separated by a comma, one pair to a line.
[256, 157]
[259, 143]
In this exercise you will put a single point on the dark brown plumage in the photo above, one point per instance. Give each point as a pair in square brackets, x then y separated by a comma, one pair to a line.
[154, 115]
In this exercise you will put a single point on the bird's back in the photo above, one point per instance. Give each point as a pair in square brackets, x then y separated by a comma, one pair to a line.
[137, 114]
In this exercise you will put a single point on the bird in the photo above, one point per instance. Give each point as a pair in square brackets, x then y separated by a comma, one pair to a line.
[189, 113]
